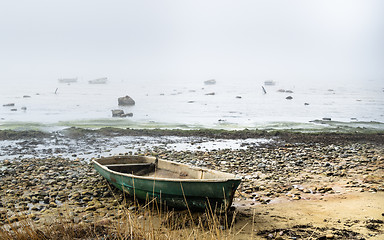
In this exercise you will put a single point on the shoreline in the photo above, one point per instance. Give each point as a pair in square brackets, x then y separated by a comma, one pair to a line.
[299, 184]
[292, 136]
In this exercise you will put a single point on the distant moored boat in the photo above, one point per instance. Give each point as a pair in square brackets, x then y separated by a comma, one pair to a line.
[67, 80]
[269, 83]
[98, 81]
[210, 82]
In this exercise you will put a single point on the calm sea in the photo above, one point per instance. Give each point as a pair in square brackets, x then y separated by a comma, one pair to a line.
[230, 104]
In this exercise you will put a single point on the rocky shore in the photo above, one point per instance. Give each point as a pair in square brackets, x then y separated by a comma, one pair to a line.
[289, 172]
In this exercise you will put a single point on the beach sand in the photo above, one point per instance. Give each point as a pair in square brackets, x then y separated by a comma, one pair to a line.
[346, 216]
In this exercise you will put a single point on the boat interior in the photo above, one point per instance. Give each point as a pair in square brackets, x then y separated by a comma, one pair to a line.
[133, 168]
[153, 167]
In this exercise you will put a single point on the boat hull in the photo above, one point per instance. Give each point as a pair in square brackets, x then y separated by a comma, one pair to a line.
[182, 194]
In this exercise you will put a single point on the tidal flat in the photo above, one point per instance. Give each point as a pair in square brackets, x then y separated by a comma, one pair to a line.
[295, 185]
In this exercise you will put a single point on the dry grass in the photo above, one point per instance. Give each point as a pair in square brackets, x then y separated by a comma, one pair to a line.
[149, 221]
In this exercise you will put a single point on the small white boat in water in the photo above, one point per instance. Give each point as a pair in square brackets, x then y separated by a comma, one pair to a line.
[269, 83]
[98, 81]
[67, 80]
[210, 82]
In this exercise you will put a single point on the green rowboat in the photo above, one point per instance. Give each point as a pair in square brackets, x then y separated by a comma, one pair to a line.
[177, 185]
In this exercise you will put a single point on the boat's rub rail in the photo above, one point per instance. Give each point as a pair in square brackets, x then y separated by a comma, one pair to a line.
[128, 164]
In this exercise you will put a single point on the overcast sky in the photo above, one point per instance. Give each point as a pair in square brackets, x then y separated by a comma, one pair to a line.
[196, 39]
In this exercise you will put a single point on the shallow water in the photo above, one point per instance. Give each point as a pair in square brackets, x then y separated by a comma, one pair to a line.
[234, 105]
[88, 148]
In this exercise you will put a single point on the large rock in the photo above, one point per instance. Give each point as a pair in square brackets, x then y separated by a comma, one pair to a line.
[126, 101]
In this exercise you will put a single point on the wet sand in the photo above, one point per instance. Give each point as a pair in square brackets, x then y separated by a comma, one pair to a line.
[345, 216]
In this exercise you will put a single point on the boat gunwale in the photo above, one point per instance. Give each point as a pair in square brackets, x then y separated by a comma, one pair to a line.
[234, 178]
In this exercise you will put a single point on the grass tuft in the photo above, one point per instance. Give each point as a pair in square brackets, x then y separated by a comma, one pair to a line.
[148, 221]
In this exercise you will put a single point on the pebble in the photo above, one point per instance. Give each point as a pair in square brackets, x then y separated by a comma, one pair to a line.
[41, 186]
[273, 168]
[330, 236]
[280, 171]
